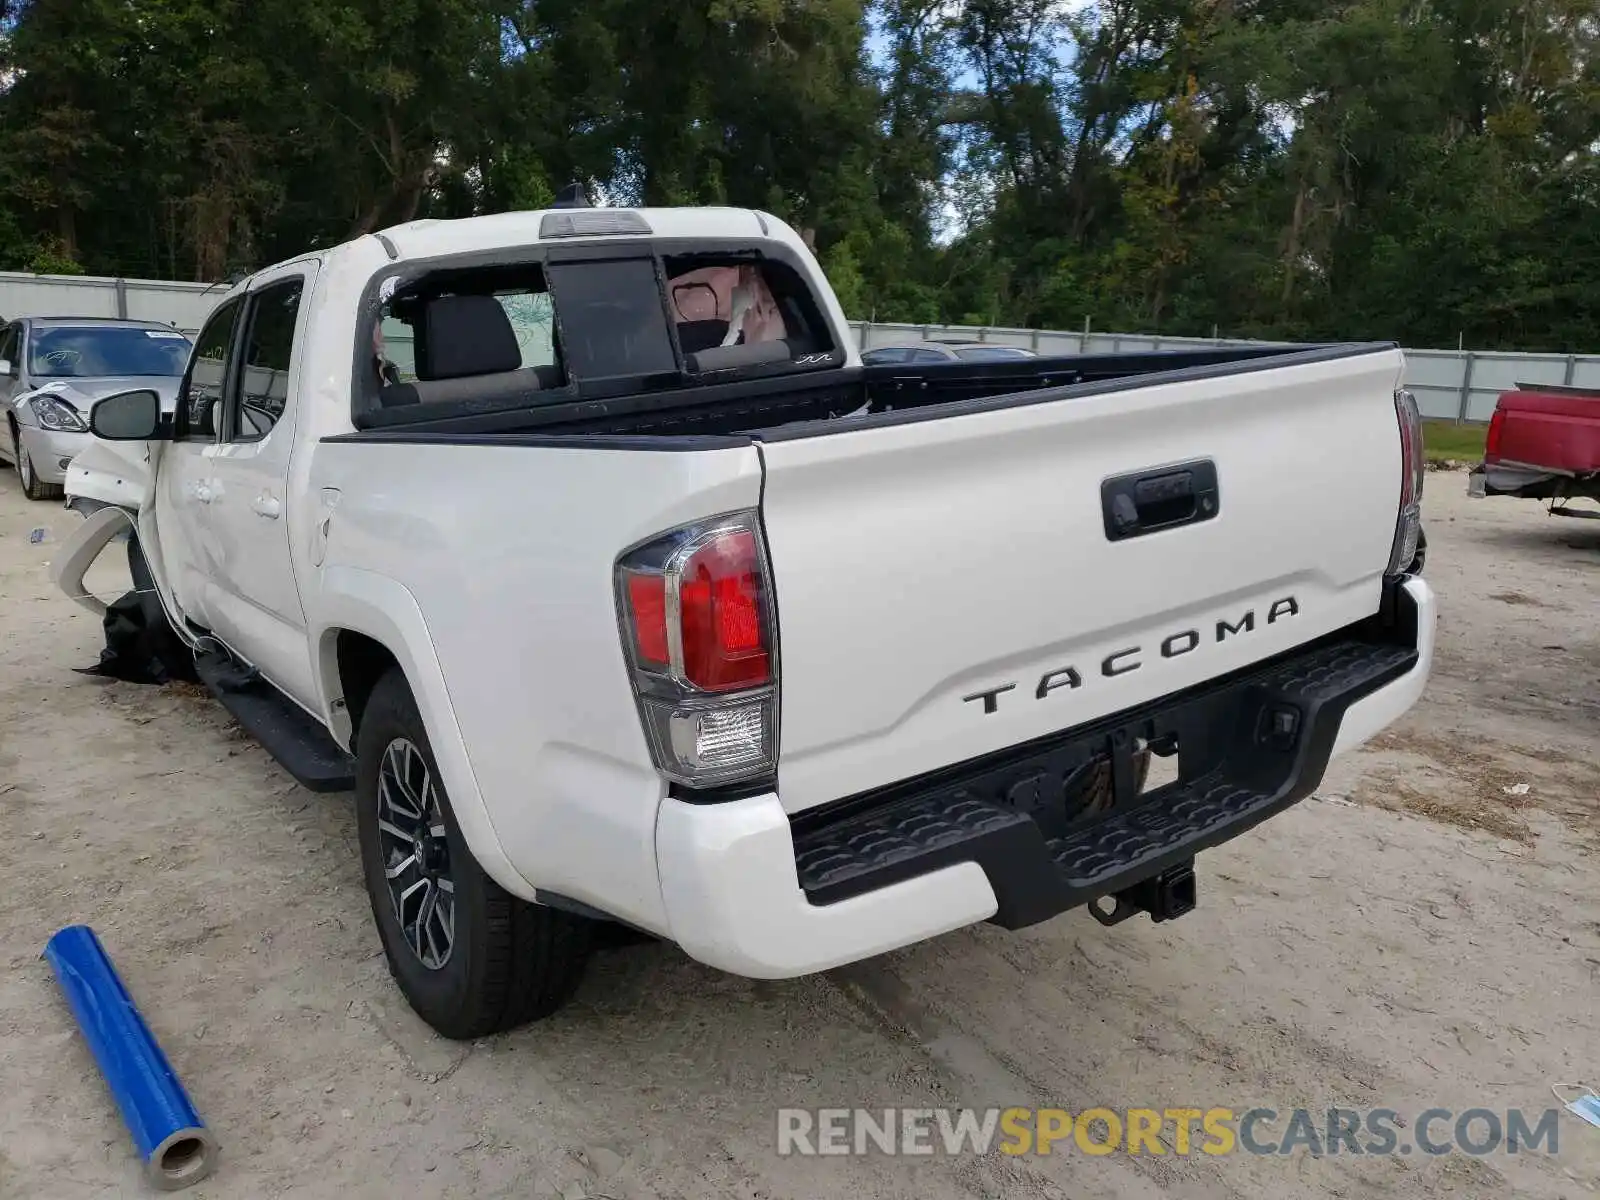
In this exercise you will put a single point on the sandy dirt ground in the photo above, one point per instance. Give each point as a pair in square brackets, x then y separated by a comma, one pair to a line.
[1415, 936]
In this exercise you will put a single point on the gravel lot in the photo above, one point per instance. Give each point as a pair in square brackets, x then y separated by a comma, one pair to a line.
[1415, 936]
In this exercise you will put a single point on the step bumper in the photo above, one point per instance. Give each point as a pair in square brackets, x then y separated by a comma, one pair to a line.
[757, 893]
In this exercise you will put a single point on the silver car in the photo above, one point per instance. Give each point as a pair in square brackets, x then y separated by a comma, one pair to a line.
[52, 369]
[938, 352]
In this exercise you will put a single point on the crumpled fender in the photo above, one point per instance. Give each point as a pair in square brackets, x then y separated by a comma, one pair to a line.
[118, 473]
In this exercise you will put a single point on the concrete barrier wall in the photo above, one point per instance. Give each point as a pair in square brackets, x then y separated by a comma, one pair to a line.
[1452, 384]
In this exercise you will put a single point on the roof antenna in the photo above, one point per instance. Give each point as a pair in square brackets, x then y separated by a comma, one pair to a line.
[572, 196]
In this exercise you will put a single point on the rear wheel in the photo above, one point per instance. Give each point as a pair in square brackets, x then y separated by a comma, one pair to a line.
[470, 958]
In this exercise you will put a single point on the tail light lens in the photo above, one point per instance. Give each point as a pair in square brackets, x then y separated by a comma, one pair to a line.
[1491, 444]
[1408, 526]
[697, 623]
[722, 627]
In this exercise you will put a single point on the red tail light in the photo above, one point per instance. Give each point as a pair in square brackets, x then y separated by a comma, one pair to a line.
[1497, 428]
[719, 606]
[698, 625]
[647, 600]
[1408, 526]
[1411, 459]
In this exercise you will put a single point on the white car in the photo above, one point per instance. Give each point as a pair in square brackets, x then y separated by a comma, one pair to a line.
[52, 369]
[581, 546]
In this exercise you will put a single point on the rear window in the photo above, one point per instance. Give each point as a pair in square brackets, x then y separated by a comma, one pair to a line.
[530, 312]
[611, 318]
[740, 311]
[466, 338]
[480, 338]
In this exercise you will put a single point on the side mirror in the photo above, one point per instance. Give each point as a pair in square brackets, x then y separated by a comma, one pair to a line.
[127, 417]
[5, 367]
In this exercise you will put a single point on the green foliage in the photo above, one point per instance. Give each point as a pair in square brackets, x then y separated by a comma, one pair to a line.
[1446, 439]
[1275, 168]
[49, 257]
[844, 272]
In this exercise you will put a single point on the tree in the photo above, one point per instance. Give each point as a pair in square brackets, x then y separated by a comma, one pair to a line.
[1277, 168]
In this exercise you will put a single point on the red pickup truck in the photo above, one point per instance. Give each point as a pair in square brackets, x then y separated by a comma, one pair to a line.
[1543, 444]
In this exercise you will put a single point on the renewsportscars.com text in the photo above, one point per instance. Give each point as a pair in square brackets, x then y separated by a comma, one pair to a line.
[1166, 1131]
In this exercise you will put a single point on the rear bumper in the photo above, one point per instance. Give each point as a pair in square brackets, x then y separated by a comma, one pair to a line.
[1529, 482]
[752, 891]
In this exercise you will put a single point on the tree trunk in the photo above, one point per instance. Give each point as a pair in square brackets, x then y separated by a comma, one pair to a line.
[1291, 253]
[369, 218]
[211, 221]
[410, 192]
[67, 228]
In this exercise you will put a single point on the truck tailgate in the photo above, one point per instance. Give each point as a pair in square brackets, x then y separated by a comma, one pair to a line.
[948, 585]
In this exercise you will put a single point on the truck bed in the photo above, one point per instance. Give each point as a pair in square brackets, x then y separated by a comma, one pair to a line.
[980, 556]
[782, 407]
[1558, 430]
[1543, 444]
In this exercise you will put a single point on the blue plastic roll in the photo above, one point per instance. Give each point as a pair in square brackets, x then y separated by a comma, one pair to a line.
[169, 1135]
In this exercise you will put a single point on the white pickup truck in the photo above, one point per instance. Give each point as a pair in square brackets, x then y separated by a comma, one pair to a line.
[581, 545]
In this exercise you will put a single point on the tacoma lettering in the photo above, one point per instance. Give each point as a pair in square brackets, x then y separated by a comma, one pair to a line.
[1122, 662]
[1180, 643]
[1067, 677]
[1247, 625]
[1116, 664]
[991, 698]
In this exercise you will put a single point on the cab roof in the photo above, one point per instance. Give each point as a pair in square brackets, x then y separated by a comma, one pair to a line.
[437, 238]
[432, 238]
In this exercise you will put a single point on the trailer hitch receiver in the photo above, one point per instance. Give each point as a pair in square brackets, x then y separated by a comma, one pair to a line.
[1165, 897]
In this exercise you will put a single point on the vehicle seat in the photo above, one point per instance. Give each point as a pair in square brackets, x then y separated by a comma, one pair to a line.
[466, 335]
[467, 351]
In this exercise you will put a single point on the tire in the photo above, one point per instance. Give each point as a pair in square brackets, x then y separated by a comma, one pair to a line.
[508, 962]
[32, 488]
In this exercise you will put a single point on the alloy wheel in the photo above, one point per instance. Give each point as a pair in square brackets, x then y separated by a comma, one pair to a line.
[416, 854]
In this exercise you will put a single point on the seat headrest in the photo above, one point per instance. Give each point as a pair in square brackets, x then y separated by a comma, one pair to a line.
[468, 335]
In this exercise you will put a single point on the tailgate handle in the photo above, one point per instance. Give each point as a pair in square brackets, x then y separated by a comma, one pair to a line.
[1147, 501]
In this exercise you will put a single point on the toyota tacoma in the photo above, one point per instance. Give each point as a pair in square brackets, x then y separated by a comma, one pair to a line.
[582, 547]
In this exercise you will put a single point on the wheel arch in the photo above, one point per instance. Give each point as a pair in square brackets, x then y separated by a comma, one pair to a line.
[359, 662]
[365, 624]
